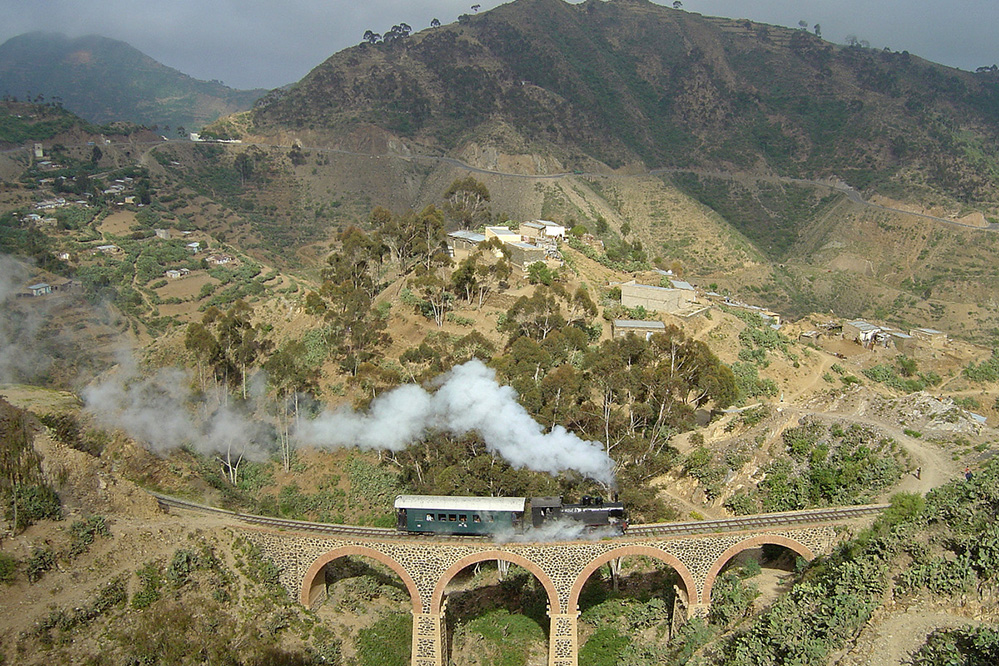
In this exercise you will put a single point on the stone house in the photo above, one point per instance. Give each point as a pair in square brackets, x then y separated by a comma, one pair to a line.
[524, 254]
[646, 329]
[656, 299]
[460, 244]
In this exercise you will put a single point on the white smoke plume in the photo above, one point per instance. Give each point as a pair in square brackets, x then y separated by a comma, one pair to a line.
[467, 399]
[564, 529]
[21, 355]
[161, 411]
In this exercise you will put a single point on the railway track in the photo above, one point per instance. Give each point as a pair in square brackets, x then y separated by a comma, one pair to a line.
[760, 521]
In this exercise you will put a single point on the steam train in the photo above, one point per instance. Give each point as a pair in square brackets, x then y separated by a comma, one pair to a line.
[439, 514]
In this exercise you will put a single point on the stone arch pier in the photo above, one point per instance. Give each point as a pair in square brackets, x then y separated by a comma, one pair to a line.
[426, 566]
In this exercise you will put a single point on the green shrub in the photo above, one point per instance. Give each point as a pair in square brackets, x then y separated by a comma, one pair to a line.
[603, 648]
[387, 642]
[968, 646]
[41, 560]
[34, 503]
[8, 567]
[151, 580]
[84, 532]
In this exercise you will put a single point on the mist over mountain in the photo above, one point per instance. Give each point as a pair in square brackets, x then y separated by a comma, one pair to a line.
[634, 83]
[105, 80]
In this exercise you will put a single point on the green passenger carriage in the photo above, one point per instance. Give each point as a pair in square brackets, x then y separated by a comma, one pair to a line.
[459, 515]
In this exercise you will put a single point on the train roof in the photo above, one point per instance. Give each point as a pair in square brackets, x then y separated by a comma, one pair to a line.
[449, 503]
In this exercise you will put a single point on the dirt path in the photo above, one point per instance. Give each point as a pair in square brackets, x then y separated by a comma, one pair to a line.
[893, 641]
[825, 362]
[935, 464]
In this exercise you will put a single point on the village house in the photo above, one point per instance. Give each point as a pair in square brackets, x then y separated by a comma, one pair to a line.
[177, 273]
[525, 254]
[531, 230]
[903, 342]
[861, 332]
[504, 234]
[220, 259]
[645, 329]
[929, 337]
[656, 299]
[462, 243]
[106, 249]
[162, 233]
[194, 247]
[552, 229]
[40, 289]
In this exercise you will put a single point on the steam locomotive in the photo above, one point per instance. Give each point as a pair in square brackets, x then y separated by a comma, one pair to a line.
[439, 514]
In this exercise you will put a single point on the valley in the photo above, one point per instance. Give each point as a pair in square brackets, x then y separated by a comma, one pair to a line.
[414, 272]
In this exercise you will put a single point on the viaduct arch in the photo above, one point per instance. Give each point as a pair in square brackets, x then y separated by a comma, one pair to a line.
[426, 567]
[752, 542]
[310, 594]
[437, 601]
[690, 587]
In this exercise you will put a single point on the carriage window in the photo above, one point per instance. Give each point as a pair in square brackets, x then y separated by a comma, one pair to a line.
[430, 517]
[452, 518]
[442, 517]
[463, 518]
[476, 518]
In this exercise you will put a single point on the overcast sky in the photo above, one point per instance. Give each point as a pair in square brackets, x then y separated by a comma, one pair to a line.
[268, 43]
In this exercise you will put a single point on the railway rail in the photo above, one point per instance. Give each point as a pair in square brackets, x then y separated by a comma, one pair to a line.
[759, 521]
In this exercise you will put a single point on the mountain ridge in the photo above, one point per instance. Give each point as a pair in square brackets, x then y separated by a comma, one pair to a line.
[105, 80]
[623, 84]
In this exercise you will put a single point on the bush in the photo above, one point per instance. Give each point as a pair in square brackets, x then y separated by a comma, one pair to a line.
[969, 646]
[41, 560]
[387, 642]
[35, 503]
[8, 568]
[85, 532]
[151, 580]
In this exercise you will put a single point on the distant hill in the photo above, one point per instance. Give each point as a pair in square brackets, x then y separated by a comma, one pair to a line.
[628, 82]
[104, 80]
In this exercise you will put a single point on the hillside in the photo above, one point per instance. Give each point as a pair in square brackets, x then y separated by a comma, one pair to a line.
[105, 80]
[628, 84]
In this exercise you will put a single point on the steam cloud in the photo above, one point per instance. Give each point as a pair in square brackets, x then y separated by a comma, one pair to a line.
[161, 411]
[20, 355]
[467, 399]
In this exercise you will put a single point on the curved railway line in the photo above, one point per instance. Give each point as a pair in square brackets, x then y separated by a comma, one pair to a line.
[741, 523]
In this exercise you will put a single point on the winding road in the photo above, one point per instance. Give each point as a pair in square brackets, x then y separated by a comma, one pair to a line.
[833, 185]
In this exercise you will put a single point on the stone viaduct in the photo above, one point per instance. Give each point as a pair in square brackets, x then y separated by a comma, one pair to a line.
[426, 565]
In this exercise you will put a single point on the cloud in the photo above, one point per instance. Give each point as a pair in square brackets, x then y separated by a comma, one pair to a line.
[254, 43]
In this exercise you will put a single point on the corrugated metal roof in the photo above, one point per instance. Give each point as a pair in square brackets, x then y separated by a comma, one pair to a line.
[680, 284]
[448, 503]
[862, 325]
[468, 235]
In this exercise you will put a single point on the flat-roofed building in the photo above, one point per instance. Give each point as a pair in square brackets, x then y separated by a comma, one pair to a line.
[656, 299]
[503, 233]
[860, 331]
[460, 244]
[525, 254]
[929, 337]
[644, 329]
